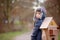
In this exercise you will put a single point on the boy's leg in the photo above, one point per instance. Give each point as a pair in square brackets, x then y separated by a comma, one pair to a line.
[34, 34]
[39, 37]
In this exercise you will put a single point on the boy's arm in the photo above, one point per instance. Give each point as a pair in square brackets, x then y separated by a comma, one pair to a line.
[43, 17]
[44, 12]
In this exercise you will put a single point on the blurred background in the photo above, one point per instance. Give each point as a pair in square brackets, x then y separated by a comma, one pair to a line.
[16, 15]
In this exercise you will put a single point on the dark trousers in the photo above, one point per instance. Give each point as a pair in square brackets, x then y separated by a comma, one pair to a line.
[37, 34]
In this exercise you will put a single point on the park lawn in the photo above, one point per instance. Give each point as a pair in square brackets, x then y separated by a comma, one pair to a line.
[59, 36]
[10, 35]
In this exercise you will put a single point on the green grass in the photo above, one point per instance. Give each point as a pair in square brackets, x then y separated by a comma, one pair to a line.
[10, 35]
[59, 36]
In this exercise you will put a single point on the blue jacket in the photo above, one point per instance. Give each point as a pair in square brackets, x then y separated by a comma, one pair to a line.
[38, 22]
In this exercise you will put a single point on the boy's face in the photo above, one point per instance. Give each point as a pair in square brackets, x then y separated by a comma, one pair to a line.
[38, 14]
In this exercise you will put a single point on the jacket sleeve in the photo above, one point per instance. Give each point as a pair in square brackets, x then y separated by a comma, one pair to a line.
[43, 17]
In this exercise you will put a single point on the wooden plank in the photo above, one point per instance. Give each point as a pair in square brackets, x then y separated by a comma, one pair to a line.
[46, 33]
[46, 22]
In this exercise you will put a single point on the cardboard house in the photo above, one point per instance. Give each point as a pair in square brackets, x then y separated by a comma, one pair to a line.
[49, 29]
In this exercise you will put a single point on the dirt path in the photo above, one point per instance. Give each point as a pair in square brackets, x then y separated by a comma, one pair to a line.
[26, 36]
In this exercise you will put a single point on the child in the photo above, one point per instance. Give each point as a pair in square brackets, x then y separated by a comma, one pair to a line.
[39, 16]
